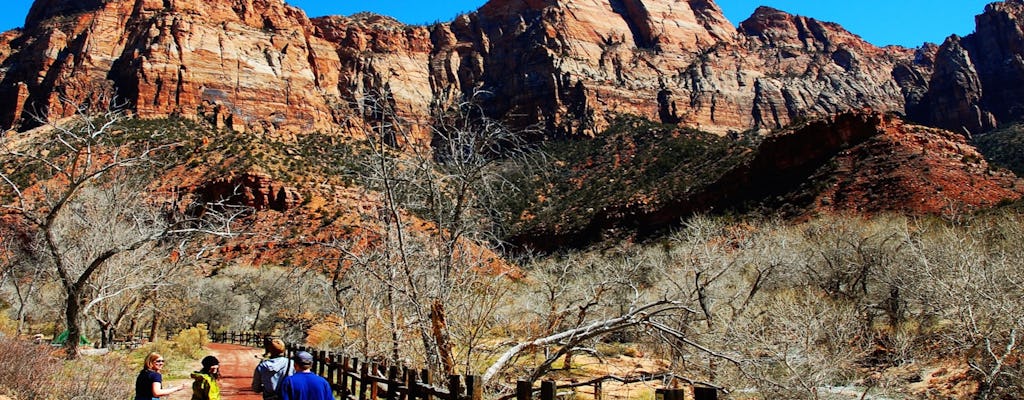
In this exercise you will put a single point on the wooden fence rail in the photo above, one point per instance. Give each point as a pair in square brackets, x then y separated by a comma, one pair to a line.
[353, 379]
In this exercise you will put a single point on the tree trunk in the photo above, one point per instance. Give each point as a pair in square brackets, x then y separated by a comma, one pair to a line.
[441, 337]
[132, 325]
[72, 316]
[21, 318]
[154, 327]
[256, 319]
[106, 333]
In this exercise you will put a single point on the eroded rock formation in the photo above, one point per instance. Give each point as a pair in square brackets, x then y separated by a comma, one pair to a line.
[263, 66]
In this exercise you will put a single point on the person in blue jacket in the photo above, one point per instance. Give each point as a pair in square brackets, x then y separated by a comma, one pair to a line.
[266, 379]
[304, 384]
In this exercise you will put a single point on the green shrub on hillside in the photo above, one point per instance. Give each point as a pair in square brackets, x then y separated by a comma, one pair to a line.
[636, 164]
[1004, 147]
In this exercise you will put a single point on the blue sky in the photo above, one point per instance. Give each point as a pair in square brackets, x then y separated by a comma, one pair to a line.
[904, 22]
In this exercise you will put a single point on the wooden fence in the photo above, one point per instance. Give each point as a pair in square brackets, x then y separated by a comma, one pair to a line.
[352, 379]
[550, 390]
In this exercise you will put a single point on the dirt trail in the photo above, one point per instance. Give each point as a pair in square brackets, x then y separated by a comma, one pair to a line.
[236, 366]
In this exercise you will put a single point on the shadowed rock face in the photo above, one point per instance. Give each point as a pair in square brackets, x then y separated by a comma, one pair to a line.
[978, 78]
[263, 66]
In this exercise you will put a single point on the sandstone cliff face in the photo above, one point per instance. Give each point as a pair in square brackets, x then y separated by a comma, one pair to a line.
[571, 65]
[978, 78]
[263, 66]
[244, 64]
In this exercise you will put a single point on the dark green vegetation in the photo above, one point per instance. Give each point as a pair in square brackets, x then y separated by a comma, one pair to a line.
[1004, 147]
[563, 188]
[635, 166]
[308, 157]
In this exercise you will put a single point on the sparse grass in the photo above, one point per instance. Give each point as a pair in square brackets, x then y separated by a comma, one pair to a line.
[223, 152]
[180, 353]
[192, 340]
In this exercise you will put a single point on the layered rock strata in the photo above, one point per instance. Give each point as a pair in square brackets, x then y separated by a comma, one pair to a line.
[568, 66]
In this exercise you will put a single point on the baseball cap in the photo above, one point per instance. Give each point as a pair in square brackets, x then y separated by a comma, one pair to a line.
[303, 358]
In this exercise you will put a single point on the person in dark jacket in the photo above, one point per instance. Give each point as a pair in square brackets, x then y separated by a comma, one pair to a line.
[149, 383]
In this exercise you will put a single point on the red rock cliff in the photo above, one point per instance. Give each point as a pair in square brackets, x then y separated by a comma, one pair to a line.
[978, 78]
[263, 66]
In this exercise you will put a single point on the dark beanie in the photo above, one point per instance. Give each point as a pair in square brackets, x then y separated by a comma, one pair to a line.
[210, 361]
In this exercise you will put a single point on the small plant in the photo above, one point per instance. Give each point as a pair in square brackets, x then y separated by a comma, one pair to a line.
[192, 340]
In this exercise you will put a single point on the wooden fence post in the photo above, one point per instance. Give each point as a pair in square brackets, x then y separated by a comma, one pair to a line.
[364, 382]
[392, 393]
[332, 368]
[669, 394]
[454, 387]
[548, 390]
[343, 379]
[524, 390]
[474, 387]
[321, 362]
[353, 384]
[705, 393]
[426, 381]
[409, 381]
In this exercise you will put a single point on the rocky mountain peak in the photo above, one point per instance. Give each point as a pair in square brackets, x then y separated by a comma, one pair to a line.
[979, 77]
[662, 24]
[779, 28]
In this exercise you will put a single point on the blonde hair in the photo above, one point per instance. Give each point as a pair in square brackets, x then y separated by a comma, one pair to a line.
[150, 362]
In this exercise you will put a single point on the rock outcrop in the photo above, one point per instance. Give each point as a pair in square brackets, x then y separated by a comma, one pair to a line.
[912, 169]
[978, 78]
[568, 66]
[861, 162]
[257, 191]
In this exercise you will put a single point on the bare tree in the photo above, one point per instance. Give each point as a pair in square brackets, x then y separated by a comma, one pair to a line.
[20, 279]
[966, 279]
[75, 188]
[436, 218]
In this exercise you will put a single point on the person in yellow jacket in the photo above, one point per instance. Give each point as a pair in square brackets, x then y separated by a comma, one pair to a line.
[205, 387]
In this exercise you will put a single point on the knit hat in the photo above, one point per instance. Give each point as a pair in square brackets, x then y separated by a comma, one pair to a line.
[210, 361]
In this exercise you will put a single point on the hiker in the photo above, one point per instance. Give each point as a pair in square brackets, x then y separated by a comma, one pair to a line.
[304, 384]
[205, 386]
[149, 384]
[272, 370]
